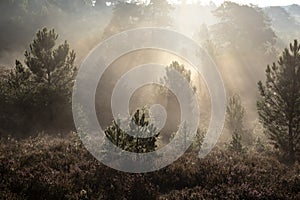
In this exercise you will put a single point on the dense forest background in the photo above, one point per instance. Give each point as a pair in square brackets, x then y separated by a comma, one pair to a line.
[256, 50]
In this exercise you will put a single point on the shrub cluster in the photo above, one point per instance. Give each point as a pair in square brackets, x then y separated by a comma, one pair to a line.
[37, 95]
[59, 167]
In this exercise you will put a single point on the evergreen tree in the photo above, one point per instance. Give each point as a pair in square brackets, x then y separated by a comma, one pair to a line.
[279, 106]
[18, 81]
[170, 78]
[235, 114]
[157, 13]
[134, 14]
[40, 91]
[16, 98]
[185, 139]
[245, 27]
[172, 106]
[236, 142]
[53, 71]
[235, 121]
[49, 65]
[125, 16]
[131, 143]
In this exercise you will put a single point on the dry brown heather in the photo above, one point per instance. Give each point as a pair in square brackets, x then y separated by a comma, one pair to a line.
[4, 71]
[56, 167]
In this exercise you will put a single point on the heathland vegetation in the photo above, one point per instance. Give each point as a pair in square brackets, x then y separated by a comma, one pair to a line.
[257, 156]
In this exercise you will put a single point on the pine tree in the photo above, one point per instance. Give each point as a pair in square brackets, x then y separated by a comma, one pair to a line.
[235, 121]
[235, 114]
[170, 77]
[171, 80]
[41, 90]
[18, 82]
[133, 14]
[53, 71]
[49, 65]
[279, 107]
[243, 26]
[16, 98]
[131, 143]
[236, 142]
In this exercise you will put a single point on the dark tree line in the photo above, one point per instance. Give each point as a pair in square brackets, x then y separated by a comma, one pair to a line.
[127, 15]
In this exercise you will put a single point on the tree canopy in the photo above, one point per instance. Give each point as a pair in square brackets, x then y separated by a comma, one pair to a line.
[243, 26]
[133, 14]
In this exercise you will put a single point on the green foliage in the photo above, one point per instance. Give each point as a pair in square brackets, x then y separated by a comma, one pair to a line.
[16, 100]
[133, 14]
[236, 142]
[198, 140]
[180, 69]
[18, 83]
[185, 138]
[157, 13]
[235, 123]
[139, 126]
[235, 114]
[279, 106]
[245, 27]
[169, 79]
[39, 92]
[71, 6]
[50, 65]
[20, 18]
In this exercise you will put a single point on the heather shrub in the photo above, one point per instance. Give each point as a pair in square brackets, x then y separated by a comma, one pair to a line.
[59, 167]
[55, 167]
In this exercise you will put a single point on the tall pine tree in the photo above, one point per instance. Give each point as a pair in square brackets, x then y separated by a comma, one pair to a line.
[53, 70]
[38, 95]
[279, 107]
[52, 66]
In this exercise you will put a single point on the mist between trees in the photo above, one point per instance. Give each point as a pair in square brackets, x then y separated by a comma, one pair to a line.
[36, 93]
[256, 51]
[37, 97]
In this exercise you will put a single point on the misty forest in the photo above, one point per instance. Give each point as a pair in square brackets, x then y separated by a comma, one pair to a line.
[256, 50]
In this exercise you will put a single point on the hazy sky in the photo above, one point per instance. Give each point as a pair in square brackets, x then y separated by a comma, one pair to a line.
[256, 2]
